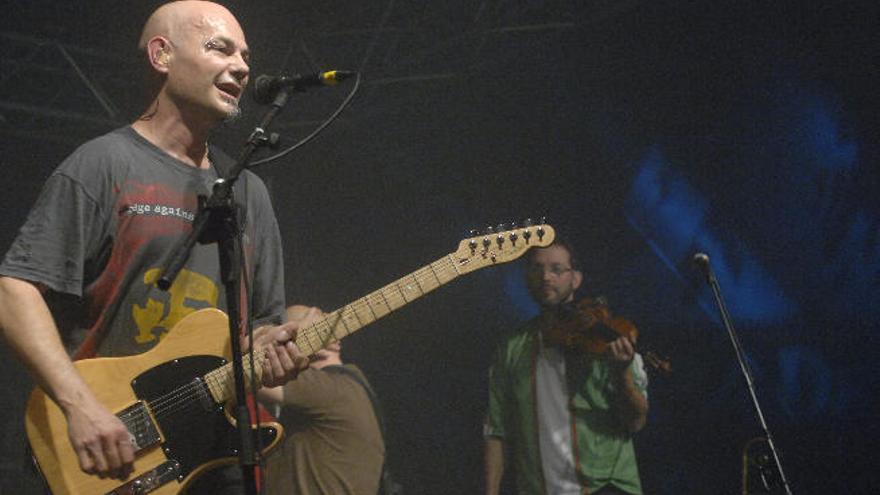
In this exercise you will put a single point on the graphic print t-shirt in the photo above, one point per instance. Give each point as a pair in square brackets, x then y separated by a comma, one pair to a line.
[104, 224]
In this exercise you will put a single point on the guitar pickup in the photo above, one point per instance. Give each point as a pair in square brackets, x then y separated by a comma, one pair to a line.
[149, 481]
[142, 430]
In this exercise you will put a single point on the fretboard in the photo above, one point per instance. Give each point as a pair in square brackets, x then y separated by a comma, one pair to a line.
[360, 313]
[347, 319]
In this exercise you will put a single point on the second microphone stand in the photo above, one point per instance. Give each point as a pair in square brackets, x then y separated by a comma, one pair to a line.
[703, 261]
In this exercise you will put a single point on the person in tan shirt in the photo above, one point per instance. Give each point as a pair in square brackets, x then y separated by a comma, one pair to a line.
[333, 440]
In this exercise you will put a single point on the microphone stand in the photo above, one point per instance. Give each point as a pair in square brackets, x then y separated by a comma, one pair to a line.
[217, 220]
[703, 261]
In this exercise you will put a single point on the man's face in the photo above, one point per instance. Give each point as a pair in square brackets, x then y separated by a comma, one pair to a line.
[551, 278]
[209, 66]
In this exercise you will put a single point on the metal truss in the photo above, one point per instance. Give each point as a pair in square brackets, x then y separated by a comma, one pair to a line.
[63, 92]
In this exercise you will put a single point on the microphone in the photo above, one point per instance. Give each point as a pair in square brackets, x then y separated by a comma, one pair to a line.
[266, 87]
[701, 261]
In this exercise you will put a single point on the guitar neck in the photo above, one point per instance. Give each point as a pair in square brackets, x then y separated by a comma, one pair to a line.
[352, 317]
[347, 319]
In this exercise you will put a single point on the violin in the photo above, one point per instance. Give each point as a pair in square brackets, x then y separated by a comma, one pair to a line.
[588, 326]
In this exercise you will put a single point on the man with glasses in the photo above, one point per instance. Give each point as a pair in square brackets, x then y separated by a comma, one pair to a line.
[561, 418]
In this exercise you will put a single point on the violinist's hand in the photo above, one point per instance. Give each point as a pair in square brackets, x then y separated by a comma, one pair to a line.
[284, 359]
[621, 351]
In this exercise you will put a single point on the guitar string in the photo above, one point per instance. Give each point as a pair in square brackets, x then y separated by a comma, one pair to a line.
[168, 403]
[181, 397]
[194, 389]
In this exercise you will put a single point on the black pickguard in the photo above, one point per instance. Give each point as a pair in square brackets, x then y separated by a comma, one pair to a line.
[195, 428]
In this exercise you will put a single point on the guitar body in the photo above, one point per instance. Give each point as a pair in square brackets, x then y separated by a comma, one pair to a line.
[179, 430]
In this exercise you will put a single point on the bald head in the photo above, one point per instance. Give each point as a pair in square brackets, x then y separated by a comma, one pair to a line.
[175, 19]
[196, 65]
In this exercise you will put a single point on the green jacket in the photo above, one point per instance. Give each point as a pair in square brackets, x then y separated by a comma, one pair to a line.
[604, 451]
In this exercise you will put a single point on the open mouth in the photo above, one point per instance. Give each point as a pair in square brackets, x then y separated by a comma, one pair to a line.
[231, 90]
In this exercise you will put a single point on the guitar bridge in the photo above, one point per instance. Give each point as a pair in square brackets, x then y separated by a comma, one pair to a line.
[149, 481]
[141, 428]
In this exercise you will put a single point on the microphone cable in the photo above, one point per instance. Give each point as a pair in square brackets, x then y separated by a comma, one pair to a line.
[321, 127]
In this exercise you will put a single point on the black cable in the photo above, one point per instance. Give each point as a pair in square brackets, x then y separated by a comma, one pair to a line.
[303, 141]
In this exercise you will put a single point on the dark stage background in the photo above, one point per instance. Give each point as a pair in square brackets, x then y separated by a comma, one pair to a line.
[644, 131]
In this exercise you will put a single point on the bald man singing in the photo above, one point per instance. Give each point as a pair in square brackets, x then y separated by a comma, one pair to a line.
[113, 210]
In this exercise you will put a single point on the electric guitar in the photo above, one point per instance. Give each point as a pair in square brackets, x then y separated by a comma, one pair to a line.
[172, 398]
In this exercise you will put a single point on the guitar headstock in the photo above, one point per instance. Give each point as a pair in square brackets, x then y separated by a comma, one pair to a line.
[501, 246]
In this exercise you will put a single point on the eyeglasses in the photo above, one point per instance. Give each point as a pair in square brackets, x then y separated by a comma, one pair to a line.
[554, 270]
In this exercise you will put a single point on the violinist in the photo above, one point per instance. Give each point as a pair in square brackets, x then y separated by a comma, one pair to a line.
[561, 415]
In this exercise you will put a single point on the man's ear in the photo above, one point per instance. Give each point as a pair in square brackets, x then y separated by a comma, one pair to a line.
[159, 53]
[578, 279]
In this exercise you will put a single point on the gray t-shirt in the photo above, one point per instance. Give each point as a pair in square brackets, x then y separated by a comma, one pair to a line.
[105, 222]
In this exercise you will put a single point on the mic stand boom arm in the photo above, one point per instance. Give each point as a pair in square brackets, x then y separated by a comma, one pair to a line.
[217, 221]
[703, 261]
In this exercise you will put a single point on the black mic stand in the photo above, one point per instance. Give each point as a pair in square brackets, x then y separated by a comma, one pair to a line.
[217, 220]
[703, 261]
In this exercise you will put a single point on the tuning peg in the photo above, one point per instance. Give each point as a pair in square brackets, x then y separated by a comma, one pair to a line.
[501, 227]
[527, 222]
[473, 233]
[542, 221]
[490, 230]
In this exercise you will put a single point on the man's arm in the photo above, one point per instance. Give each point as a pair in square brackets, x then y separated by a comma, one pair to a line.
[494, 464]
[98, 437]
[630, 402]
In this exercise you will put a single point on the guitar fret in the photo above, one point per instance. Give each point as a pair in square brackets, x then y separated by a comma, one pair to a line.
[404, 293]
[434, 272]
[314, 339]
[415, 277]
[370, 307]
[325, 334]
[221, 382]
[355, 322]
[425, 280]
[310, 340]
[341, 318]
[451, 261]
[441, 268]
[385, 300]
[390, 297]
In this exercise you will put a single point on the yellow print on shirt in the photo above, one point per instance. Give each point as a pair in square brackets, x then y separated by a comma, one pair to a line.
[154, 319]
